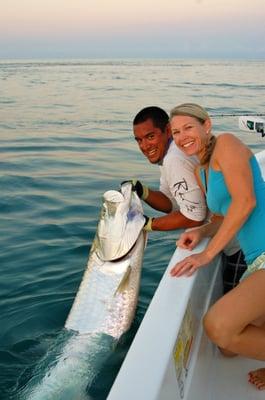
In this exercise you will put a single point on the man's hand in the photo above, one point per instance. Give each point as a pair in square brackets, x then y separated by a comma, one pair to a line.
[148, 224]
[141, 190]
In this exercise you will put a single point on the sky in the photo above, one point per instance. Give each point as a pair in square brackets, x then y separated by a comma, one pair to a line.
[132, 28]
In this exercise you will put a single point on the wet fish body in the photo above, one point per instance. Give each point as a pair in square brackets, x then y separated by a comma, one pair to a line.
[107, 297]
[108, 294]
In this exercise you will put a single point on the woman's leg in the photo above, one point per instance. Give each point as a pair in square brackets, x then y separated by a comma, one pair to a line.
[229, 322]
[260, 323]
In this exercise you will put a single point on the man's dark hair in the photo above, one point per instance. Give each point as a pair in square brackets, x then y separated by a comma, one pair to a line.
[156, 114]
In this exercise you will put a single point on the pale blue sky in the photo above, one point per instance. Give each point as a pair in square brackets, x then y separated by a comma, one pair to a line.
[139, 28]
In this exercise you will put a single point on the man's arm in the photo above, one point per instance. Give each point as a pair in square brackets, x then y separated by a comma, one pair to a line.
[173, 220]
[159, 201]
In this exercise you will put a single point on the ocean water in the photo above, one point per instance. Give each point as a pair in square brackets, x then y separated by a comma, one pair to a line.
[66, 137]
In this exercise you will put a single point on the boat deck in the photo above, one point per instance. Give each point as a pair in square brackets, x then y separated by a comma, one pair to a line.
[216, 377]
[228, 372]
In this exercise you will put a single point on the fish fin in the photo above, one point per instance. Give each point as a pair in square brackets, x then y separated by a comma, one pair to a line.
[124, 282]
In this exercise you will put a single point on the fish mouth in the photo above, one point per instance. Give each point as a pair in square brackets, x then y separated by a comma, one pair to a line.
[113, 196]
[120, 224]
[125, 255]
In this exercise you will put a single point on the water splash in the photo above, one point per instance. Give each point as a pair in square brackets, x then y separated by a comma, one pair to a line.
[69, 368]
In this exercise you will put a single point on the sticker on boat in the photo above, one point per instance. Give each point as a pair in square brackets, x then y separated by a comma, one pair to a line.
[182, 349]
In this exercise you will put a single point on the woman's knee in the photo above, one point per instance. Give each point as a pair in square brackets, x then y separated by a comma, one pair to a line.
[217, 329]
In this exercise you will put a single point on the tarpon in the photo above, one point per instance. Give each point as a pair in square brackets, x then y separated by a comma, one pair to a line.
[108, 294]
[105, 303]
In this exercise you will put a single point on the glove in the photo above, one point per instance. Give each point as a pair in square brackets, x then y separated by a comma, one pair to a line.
[141, 190]
[148, 224]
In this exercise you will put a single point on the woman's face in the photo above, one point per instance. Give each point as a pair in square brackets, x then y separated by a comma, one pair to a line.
[189, 134]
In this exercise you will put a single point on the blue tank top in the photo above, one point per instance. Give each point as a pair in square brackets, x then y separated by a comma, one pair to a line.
[251, 236]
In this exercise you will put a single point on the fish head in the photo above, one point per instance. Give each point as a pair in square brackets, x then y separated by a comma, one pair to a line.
[121, 221]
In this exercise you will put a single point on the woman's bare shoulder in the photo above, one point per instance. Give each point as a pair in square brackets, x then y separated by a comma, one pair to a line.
[230, 142]
[230, 147]
[227, 137]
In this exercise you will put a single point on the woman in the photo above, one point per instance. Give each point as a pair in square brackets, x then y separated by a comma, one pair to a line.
[235, 190]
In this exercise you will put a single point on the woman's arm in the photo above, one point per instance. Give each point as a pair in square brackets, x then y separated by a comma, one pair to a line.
[192, 237]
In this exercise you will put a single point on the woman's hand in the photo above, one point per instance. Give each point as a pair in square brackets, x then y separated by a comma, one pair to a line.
[190, 264]
[190, 238]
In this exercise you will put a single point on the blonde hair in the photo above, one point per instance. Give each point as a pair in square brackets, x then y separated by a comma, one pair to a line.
[191, 110]
[195, 111]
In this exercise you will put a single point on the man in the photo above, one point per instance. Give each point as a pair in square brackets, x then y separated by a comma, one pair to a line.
[179, 195]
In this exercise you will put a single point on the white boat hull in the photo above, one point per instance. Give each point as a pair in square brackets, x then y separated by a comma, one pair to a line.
[170, 357]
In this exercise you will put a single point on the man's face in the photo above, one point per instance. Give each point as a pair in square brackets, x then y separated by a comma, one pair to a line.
[151, 140]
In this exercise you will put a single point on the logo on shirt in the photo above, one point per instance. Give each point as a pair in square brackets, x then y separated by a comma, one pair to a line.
[182, 191]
